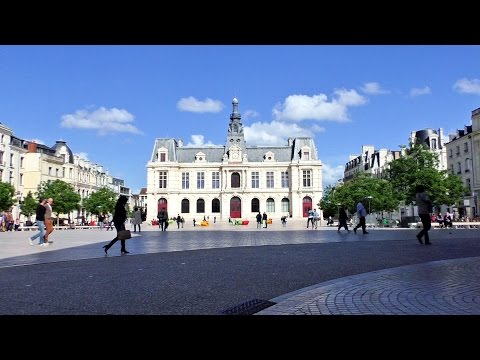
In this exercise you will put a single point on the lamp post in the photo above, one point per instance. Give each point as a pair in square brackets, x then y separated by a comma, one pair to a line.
[338, 211]
[472, 184]
[369, 207]
[19, 201]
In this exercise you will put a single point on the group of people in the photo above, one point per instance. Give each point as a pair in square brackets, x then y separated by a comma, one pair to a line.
[425, 212]
[443, 221]
[262, 219]
[7, 223]
[44, 220]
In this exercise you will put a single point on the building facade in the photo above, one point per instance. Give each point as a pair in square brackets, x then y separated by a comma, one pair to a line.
[235, 180]
[463, 160]
[26, 164]
[371, 161]
[435, 141]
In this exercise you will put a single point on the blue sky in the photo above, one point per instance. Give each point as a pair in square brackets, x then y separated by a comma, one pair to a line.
[110, 103]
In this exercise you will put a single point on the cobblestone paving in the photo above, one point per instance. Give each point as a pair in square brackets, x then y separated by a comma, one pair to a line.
[447, 287]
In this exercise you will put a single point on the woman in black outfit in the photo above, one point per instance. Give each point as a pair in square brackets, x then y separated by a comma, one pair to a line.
[119, 218]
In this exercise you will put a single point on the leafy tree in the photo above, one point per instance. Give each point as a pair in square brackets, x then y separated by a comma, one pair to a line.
[65, 198]
[29, 205]
[328, 201]
[7, 191]
[420, 167]
[101, 201]
[361, 187]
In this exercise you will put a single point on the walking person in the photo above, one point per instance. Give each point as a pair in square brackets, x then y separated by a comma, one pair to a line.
[362, 213]
[425, 207]
[179, 221]
[316, 215]
[342, 219]
[163, 219]
[119, 218]
[40, 220]
[109, 222]
[310, 217]
[101, 218]
[137, 219]
[48, 220]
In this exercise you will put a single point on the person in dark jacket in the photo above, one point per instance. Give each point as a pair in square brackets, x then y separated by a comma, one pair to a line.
[40, 220]
[425, 207]
[119, 218]
[342, 219]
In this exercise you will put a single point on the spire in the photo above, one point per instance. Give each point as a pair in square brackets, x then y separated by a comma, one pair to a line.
[235, 126]
[235, 115]
[235, 134]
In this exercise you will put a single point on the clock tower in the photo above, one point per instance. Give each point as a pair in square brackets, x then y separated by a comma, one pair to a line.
[235, 138]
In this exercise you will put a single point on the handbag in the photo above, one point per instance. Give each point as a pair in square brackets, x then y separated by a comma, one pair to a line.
[124, 234]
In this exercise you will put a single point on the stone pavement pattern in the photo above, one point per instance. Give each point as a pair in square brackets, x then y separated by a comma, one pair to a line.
[224, 254]
[446, 287]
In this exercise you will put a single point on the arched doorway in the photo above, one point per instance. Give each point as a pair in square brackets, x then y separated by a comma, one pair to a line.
[162, 204]
[307, 205]
[235, 208]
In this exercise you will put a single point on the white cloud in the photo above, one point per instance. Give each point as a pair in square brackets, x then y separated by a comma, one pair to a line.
[330, 174]
[275, 133]
[250, 114]
[194, 105]
[82, 155]
[466, 86]
[199, 140]
[317, 107]
[420, 91]
[373, 88]
[102, 119]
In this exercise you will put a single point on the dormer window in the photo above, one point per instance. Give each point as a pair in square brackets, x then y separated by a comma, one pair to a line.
[305, 153]
[162, 154]
[269, 156]
[200, 157]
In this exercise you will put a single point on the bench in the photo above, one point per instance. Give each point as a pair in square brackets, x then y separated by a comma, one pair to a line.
[455, 224]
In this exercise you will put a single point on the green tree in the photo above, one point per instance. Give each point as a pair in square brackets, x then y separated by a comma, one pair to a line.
[361, 187]
[420, 167]
[328, 201]
[65, 198]
[29, 206]
[7, 191]
[101, 201]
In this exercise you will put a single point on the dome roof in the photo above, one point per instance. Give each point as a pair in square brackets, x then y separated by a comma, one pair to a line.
[58, 146]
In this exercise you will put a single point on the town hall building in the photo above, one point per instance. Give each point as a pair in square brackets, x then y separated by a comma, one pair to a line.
[234, 181]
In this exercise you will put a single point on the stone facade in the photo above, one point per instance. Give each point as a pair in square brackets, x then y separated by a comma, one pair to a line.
[463, 160]
[234, 180]
[25, 164]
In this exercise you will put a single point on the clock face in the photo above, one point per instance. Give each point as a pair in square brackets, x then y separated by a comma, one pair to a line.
[235, 155]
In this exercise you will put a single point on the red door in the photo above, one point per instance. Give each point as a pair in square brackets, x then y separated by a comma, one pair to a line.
[162, 204]
[235, 208]
[307, 205]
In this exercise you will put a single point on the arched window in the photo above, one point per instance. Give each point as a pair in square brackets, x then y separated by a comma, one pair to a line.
[235, 180]
[162, 204]
[200, 206]
[215, 206]
[185, 206]
[270, 205]
[255, 205]
[285, 205]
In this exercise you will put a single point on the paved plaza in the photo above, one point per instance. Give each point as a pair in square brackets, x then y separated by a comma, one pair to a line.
[206, 270]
